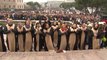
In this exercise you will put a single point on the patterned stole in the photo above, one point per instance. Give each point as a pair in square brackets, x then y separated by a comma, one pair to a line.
[11, 38]
[10, 27]
[28, 39]
[27, 29]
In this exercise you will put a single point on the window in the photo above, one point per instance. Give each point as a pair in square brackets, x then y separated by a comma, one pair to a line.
[13, 0]
[9, 6]
[13, 6]
[4, 6]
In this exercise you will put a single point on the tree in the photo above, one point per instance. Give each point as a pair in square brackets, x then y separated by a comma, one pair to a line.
[98, 4]
[66, 5]
[34, 5]
[82, 4]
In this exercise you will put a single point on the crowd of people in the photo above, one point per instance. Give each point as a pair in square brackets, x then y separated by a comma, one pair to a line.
[56, 36]
[47, 14]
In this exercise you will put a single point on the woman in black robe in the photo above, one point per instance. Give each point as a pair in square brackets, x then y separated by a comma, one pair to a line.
[9, 29]
[20, 36]
[29, 30]
[48, 37]
[89, 37]
[55, 34]
[37, 36]
[83, 31]
[96, 40]
[72, 36]
[62, 37]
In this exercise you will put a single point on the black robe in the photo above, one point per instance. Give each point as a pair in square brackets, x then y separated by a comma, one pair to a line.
[72, 39]
[55, 35]
[2, 45]
[89, 38]
[11, 38]
[95, 38]
[29, 34]
[62, 40]
[37, 40]
[83, 41]
[48, 39]
[20, 38]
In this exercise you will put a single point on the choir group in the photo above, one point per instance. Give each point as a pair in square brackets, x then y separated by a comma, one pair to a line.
[47, 36]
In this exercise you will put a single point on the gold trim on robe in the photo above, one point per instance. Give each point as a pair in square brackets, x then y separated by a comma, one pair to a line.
[11, 38]
[20, 40]
[55, 41]
[28, 39]
[48, 40]
[96, 44]
[37, 37]
[82, 39]
[55, 36]
[72, 40]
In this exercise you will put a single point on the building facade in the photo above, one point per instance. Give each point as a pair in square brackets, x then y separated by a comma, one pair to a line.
[11, 4]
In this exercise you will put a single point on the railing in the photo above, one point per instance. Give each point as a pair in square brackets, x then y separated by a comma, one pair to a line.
[32, 21]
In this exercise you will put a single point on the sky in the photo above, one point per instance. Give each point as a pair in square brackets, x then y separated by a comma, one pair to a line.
[44, 0]
[35, 0]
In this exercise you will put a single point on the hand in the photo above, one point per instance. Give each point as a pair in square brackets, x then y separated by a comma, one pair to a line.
[44, 31]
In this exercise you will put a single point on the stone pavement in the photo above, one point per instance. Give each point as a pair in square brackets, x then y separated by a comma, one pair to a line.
[69, 55]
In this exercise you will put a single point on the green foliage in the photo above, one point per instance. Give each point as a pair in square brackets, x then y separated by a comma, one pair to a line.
[34, 5]
[1, 23]
[67, 5]
[83, 4]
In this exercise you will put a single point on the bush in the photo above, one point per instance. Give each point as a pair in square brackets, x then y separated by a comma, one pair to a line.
[1, 23]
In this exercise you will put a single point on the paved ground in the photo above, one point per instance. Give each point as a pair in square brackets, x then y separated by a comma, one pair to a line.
[69, 55]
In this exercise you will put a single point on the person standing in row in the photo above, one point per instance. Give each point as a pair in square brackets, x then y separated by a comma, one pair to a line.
[83, 41]
[63, 39]
[20, 36]
[73, 36]
[28, 29]
[9, 29]
[37, 36]
[55, 34]
[95, 44]
[48, 37]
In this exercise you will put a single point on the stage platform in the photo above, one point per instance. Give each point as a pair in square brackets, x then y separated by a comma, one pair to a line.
[69, 55]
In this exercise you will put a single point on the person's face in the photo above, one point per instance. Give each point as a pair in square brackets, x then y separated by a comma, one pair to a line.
[84, 25]
[47, 26]
[54, 23]
[74, 26]
[10, 22]
[96, 26]
[63, 25]
[27, 22]
[20, 25]
[38, 25]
